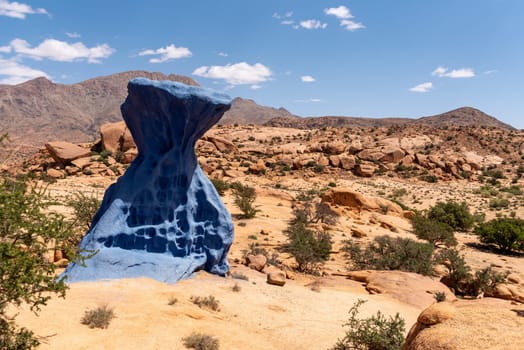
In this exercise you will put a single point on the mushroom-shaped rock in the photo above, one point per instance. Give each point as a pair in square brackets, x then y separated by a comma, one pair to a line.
[163, 218]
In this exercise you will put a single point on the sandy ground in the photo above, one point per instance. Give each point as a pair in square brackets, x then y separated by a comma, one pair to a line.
[259, 316]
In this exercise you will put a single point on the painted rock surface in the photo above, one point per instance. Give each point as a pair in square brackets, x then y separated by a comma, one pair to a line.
[163, 218]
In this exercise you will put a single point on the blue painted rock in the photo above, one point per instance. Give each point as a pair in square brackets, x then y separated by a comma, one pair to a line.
[163, 218]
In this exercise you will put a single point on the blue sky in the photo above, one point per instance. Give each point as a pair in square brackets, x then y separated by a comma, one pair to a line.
[376, 58]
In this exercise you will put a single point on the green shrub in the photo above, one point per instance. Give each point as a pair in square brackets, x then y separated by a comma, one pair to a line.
[309, 247]
[433, 231]
[200, 341]
[85, 208]
[460, 278]
[220, 185]
[99, 317]
[209, 302]
[26, 275]
[386, 253]
[506, 233]
[374, 333]
[244, 198]
[497, 203]
[456, 215]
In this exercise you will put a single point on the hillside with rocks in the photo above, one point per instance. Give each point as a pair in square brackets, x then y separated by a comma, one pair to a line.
[372, 178]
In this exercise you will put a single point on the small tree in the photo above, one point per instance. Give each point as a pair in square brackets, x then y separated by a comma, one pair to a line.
[244, 198]
[374, 333]
[456, 215]
[309, 247]
[386, 253]
[433, 231]
[26, 273]
[505, 233]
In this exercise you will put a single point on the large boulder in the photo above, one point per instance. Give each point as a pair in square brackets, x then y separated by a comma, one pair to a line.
[365, 169]
[356, 201]
[163, 218]
[468, 325]
[116, 137]
[65, 152]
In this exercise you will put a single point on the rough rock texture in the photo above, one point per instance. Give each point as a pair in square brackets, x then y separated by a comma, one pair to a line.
[408, 287]
[468, 325]
[163, 218]
[64, 152]
[358, 202]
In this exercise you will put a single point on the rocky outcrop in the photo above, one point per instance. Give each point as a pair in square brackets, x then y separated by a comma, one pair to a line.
[468, 325]
[163, 218]
[65, 152]
[357, 201]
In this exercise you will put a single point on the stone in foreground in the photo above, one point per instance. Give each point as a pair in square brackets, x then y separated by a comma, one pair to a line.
[163, 218]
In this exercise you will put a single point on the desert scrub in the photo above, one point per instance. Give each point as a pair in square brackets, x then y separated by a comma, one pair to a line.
[239, 276]
[455, 215]
[220, 185]
[99, 317]
[200, 341]
[310, 248]
[374, 333]
[506, 233]
[26, 274]
[386, 253]
[244, 196]
[209, 302]
[433, 231]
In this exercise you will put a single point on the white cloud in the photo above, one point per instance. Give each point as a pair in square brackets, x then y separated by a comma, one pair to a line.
[351, 25]
[341, 12]
[167, 53]
[5, 49]
[424, 87]
[309, 100]
[255, 87]
[443, 72]
[236, 74]
[287, 22]
[18, 10]
[307, 79]
[313, 24]
[56, 50]
[223, 54]
[488, 72]
[73, 35]
[12, 72]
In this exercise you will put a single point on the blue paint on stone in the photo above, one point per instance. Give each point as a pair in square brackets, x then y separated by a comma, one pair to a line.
[163, 218]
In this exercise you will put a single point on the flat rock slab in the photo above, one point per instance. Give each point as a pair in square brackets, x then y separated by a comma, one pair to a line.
[65, 152]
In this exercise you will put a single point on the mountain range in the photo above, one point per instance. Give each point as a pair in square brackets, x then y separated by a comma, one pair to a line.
[39, 110]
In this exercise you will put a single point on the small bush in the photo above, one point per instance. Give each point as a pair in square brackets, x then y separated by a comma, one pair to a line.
[239, 276]
[209, 302]
[244, 198]
[220, 185]
[374, 333]
[497, 203]
[456, 215]
[506, 233]
[200, 341]
[460, 278]
[99, 317]
[309, 247]
[386, 253]
[172, 301]
[433, 231]
[440, 296]
[236, 288]
[85, 208]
